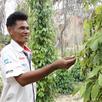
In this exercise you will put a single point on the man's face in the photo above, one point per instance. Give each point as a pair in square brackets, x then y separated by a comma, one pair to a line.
[20, 32]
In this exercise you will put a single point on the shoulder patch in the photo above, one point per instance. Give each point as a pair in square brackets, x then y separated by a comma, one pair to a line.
[6, 61]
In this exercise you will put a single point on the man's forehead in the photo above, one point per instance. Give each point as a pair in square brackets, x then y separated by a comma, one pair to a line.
[21, 23]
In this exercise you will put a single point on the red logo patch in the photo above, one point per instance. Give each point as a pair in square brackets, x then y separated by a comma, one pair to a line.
[21, 58]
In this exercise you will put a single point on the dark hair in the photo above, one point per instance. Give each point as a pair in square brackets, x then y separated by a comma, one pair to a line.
[11, 20]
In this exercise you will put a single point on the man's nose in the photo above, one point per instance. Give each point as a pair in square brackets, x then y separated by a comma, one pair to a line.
[26, 31]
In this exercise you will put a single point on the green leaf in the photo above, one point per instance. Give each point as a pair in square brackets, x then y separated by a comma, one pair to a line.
[76, 88]
[94, 72]
[95, 91]
[83, 89]
[94, 45]
[94, 1]
[100, 79]
[87, 93]
[98, 10]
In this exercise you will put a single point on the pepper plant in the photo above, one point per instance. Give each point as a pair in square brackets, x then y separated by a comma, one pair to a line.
[91, 58]
[42, 45]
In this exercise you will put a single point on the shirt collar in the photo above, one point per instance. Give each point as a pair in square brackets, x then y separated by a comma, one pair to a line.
[16, 46]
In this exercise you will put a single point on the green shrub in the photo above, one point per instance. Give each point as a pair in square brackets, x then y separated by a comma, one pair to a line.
[65, 80]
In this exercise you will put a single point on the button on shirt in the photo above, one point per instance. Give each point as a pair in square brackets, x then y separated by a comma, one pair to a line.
[13, 62]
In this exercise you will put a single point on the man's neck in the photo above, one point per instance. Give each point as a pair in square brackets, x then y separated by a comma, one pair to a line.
[21, 44]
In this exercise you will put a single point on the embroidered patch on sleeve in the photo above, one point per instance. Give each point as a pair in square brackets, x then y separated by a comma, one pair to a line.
[6, 61]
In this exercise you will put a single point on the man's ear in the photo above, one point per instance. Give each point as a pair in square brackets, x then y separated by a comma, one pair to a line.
[10, 30]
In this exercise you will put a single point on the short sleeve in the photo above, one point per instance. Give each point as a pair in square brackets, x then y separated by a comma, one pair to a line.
[10, 67]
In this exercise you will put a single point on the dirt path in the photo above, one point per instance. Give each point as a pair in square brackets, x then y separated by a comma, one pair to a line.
[68, 98]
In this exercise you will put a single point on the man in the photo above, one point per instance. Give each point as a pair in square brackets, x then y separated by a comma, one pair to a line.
[18, 76]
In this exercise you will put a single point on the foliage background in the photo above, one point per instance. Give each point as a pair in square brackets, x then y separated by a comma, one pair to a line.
[91, 55]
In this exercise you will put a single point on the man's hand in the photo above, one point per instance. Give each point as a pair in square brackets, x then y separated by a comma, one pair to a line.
[64, 63]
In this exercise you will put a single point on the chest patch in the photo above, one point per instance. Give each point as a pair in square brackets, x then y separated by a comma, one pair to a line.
[21, 58]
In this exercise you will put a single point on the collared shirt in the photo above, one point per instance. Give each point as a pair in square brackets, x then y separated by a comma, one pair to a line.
[13, 62]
